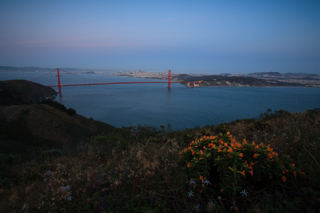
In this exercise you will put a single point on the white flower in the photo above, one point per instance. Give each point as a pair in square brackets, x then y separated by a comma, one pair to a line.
[233, 203]
[211, 203]
[48, 173]
[207, 182]
[64, 188]
[190, 194]
[25, 208]
[197, 207]
[69, 198]
[243, 192]
[192, 182]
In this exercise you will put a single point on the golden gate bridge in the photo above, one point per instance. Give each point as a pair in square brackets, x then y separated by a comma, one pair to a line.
[59, 85]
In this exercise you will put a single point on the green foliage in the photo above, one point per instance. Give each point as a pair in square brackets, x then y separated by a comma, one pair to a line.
[138, 169]
[269, 114]
[52, 153]
[219, 164]
[58, 106]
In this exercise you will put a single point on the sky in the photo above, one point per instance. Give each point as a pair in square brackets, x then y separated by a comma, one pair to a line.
[215, 36]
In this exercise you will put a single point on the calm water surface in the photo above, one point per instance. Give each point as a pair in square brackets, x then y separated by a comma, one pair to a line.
[182, 107]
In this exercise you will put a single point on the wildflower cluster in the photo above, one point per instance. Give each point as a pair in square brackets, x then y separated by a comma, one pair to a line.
[220, 164]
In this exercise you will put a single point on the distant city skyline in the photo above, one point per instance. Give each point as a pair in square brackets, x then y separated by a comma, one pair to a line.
[209, 37]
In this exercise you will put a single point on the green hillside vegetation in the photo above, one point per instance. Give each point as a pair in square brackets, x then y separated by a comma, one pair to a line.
[220, 80]
[146, 169]
[23, 92]
[24, 128]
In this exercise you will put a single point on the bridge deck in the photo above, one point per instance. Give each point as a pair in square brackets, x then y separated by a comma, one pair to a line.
[134, 82]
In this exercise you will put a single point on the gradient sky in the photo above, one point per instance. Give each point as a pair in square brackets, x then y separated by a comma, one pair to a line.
[216, 36]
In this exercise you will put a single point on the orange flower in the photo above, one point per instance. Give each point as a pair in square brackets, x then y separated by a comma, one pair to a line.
[213, 146]
[200, 158]
[228, 133]
[241, 155]
[189, 164]
[243, 173]
[200, 191]
[230, 136]
[292, 165]
[252, 163]
[225, 144]
[253, 143]
[230, 149]
[283, 172]
[201, 178]
[255, 155]
[244, 141]
[204, 147]
[180, 153]
[201, 139]
[284, 179]
[251, 172]
[201, 152]
[302, 173]
[250, 167]
[295, 173]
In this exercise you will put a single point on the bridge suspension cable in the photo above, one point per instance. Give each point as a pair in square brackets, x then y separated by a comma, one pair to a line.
[44, 75]
[80, 76]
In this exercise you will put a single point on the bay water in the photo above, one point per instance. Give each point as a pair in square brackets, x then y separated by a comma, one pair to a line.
[181, 107]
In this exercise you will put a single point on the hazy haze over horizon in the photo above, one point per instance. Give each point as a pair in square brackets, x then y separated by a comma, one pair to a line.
[184, 36]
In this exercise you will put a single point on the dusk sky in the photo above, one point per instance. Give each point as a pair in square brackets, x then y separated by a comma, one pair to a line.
[216, 36]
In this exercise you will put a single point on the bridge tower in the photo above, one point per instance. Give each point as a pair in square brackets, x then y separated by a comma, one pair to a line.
[59, 85]
[169, 79]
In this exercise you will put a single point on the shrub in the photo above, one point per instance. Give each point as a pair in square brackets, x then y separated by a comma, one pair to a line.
[71, 111]
[221, 165]
[58, 106]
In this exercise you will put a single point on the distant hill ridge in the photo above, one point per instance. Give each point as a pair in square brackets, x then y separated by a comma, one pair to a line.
[277, 74]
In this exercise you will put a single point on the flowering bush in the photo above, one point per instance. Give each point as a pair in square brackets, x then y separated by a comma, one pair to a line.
[220, 164]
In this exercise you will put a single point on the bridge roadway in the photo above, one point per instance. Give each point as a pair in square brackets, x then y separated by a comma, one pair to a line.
[133, 82]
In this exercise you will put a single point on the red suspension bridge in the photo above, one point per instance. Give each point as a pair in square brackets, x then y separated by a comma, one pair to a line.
[59, 85]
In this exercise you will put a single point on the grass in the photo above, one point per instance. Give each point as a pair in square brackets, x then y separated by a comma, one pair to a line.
[138, 169]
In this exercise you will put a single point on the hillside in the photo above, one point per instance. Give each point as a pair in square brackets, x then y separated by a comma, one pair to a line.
[24, 127]
[23, 92]
[250, 165]
[221, 80]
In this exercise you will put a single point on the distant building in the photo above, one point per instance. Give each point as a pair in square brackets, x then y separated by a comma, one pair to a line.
[193, 83]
